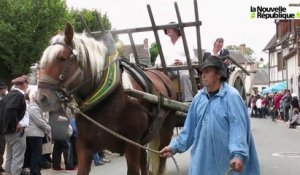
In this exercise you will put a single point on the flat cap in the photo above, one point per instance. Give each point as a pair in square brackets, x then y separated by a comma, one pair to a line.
[20, 80]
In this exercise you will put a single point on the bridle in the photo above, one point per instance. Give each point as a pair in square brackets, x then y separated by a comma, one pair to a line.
[60, 86]
[108, 82]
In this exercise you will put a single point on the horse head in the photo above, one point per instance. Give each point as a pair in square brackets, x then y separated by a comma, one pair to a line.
[71, 65]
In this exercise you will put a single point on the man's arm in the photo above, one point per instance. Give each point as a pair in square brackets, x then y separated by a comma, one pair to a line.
[25, 120]
[239, 131]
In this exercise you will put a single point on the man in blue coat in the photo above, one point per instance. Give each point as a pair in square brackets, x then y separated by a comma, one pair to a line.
[218, 127]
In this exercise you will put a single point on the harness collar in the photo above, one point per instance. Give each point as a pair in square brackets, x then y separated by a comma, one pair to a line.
[111, 78]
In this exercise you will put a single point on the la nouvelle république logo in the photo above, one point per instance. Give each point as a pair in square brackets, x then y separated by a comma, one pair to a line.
[278, 12]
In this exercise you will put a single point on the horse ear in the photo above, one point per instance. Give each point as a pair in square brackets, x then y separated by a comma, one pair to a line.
[69, 33]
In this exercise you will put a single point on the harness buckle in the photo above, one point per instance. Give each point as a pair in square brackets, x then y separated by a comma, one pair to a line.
[61, 77]
[61, 96]
[73, 105]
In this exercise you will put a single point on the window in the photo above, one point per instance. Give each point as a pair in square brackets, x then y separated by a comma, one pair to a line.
[280, 61]
[298, 60]
[298, 84]
[291, 84]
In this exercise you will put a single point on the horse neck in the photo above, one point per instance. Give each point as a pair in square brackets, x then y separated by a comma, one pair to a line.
[97, 77]
[89, 84]
[90, 81]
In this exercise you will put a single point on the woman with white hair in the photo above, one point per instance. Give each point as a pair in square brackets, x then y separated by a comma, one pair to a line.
[36, 131]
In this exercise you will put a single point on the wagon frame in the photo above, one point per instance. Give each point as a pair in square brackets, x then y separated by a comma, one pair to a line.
[235, 79]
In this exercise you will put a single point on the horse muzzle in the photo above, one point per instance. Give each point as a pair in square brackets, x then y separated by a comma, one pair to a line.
[48, 100]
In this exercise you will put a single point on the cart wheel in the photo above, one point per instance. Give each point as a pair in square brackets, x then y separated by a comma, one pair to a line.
[236, 79]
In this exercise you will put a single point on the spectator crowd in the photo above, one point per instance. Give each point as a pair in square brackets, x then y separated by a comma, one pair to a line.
[282, 106]
[27, 134]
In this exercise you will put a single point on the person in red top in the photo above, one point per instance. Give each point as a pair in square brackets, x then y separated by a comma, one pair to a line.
[277, 104]
[264, 106]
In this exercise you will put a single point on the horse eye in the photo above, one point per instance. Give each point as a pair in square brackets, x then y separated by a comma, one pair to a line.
[61, 59]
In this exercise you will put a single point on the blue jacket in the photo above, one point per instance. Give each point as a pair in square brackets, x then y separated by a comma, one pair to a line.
[73, 124]
[219, 129]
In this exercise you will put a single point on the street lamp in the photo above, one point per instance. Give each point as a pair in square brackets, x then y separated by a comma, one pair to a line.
[261, 60]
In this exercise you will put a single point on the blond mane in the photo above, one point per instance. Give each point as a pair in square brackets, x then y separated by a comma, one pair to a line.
[88, 50]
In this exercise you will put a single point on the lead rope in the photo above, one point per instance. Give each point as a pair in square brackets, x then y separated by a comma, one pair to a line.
[73, 106]
[229, 171]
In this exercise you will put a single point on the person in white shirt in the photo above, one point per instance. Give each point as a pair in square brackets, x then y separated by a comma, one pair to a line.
[35, 132]
[219, 51]
[174, 54]
[258, 105]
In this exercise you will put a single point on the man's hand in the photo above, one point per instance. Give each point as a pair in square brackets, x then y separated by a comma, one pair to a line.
[19, 128]
[178, 62]
[166, 152]
[237, 164]
[227, 61]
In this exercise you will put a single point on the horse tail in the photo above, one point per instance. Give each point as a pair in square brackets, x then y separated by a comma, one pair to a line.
[153, 158]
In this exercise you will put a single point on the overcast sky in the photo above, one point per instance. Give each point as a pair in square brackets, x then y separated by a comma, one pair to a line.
[229, 19]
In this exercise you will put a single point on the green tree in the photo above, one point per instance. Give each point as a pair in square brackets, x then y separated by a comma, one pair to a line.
[246, 51]
[25, 29]
[153, 52]
[91, 20]
[88, 20]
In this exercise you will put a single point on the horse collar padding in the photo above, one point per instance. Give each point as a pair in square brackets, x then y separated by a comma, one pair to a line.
[108, 83]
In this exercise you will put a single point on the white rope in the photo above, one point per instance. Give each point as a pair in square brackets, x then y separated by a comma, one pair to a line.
[126, 139]
[73, 106]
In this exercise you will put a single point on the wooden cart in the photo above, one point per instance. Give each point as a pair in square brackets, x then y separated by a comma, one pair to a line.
[236, 78]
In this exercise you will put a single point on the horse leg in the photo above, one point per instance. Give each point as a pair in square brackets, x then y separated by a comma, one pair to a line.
[166, 134]
[132, 154]
[143, 162]
[84, 156]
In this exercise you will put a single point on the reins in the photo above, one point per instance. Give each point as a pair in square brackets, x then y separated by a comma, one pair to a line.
[74, 107]
[72, 104]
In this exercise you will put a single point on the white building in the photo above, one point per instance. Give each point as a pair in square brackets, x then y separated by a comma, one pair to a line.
[283, 49]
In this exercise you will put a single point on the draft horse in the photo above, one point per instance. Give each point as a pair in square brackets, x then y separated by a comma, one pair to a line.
[80, 66]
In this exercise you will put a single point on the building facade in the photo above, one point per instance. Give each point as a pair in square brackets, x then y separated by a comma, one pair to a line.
[283, 50]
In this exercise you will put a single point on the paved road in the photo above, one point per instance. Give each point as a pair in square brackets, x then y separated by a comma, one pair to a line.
[270, 137]
[273, 138]
[118, 166]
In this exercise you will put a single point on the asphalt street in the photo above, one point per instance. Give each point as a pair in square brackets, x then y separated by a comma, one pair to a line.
[278, 148]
